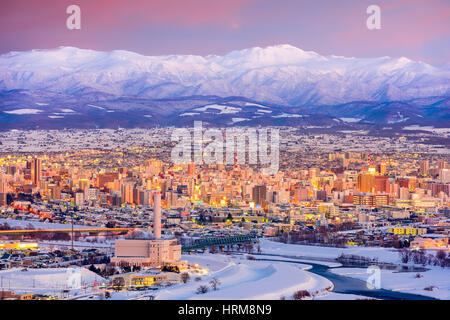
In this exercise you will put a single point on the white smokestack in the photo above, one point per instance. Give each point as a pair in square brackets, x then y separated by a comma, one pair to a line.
[157, 214]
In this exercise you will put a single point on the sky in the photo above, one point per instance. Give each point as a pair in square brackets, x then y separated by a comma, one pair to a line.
[416, 29]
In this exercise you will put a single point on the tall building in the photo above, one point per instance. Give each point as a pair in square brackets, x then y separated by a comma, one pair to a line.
[259, 194]
[191, 168]
[365, 182]
[36, 170]
[157, 214]
[444, 175]
[381, 168]
[424, 167]
[381, 184]
[441, 164]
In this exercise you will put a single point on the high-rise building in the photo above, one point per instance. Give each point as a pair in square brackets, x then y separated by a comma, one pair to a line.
[259, 194]
[444, 175]
[36, 170]
[441, 164]
[381, 184]
[191, 168]
[424, 167]
[157, 214]
[381, 168]
[365, 182]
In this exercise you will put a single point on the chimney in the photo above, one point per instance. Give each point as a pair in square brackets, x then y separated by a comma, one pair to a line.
[157, 215]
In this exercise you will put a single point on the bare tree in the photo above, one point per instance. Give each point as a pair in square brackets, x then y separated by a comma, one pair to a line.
[215, 283]
[185, 277]
[202, 289]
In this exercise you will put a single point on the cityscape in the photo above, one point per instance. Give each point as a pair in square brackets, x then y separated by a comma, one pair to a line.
[132, 226]
[216, 161]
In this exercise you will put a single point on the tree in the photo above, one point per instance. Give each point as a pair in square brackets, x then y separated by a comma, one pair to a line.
[440, 255]
[404, 255]
[212, 249]
[118, 282]
[202, 289]
[185, 277]
[215, 283]
[301, 294]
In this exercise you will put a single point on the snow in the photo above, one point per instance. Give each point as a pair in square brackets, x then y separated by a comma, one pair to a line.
[249, 104]
[288, 115]
[223, 109]
[382, 254]
[256, 73]
[41, 225]
[47, 280]
[351, 119]
[23, 111]
[189, 114]
[407, 281]
[96, 107]
[241, 278]
[234, 120]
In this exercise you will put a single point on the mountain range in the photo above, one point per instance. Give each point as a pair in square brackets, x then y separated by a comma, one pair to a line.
[71, 87]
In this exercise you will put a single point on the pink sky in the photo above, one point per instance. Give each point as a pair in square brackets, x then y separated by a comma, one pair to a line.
[417, 29]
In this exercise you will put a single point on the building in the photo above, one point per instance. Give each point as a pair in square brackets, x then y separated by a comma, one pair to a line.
[259, 194]
[145, 278]
[156, 252]
[146, 253]
[10, 295]
[91, 194]
[407, 231]
[371, 200]
[381, 184]
[36, 171]
[365, 182]
[424, 167]
[429, 243]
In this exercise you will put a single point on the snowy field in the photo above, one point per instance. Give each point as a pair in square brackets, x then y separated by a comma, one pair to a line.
[241, 278]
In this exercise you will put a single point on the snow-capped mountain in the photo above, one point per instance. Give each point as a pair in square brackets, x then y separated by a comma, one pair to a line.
[281, 75]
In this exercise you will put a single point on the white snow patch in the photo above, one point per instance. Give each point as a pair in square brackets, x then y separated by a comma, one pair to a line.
[223, 109]
[234, 120]
[23, 111]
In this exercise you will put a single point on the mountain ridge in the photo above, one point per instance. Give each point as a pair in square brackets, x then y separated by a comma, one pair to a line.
[281, 74]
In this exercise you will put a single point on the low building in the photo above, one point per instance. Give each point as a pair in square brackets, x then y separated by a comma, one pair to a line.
[407, 231]
[429, 243]
[10, 295]
[146, 253]
[145, 279]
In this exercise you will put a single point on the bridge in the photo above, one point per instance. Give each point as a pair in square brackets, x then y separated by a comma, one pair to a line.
[219, 241]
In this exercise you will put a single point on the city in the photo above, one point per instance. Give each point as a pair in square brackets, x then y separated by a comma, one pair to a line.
[124, 222]
[224, 159]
